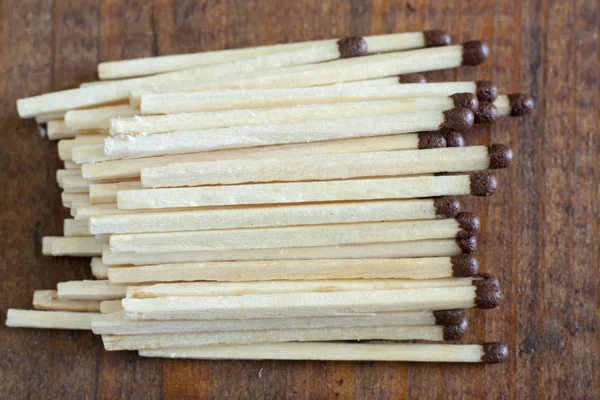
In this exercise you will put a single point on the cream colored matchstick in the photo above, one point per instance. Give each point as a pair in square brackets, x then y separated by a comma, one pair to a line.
[75, 183]
[99, 270]
[219, 100]
[329, 166]
[282, 115]
[71, 165]
[162, 64]
[45, 117]
[49, 300]
[231, 141]
[462, 226]
[84, 246]
[97, 118]
[234, 271]
[159, 341]
[61, 173]
[105, 193]
[57, 129]
[72, 227]
[110, 306]
[313, 214]
[514, 105]
[65, 147]
[103, 94]
[84, 211]
[421, 352]
[116, 324]
[74, 198]
[91, 290]
[423, 248]
[49, 319]
[483, 293]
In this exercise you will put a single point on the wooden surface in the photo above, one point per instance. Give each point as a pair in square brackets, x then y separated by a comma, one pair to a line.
[540, 228]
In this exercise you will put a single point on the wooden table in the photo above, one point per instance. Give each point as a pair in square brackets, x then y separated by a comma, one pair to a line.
[540, 228]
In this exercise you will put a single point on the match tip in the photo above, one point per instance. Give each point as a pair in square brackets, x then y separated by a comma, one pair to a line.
[458, 119]
[483, 184]
[454, 139]
[500, 156]
[486, 276]
[448, 317]
[352, 46]
[455, 332]
[411, 78]
[431, 140]
[464, 266]
[466, 100]
[467, 245]
[486, 91]
[494, 353]
[437, 38]
[487, 292]
[487, 112]
[446, 207]
[468, 224]
[474, 52]
[520, 104]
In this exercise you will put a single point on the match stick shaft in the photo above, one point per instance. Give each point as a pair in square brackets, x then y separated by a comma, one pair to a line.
[71, 165]
[49, 319]
[75, 183]
[75, 228]
[45, 117]
[48, 300]
[106, 193]
[110, 306]
[91, 290]
[74, 198]
[65, 147]
[99, 270]
[62, 173]
[57, 129]
[84, 246]
[97, 118]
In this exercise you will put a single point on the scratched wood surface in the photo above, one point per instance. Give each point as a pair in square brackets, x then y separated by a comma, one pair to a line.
[540, 228]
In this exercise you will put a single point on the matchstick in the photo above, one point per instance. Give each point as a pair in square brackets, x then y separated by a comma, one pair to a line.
[236, 138]
[45, 117]
[313, 214]
[105, 193]
[478, 184]
[461, 353]
[282, 115]
[75, 183]
[219, 100]
[71, 165]
[235, 271]
[158, 341]
[369, 44]
[514, 105]
[483, 293]
[86, 211]
[61, 173]
[424, 248]
[115, 324]
[99, 270]
[49, 319]
[66, 146]
[48, 300]
[57, 129]
[260, 66]
[340, 71]
[329, 166]
[90, 290]
[464, 225]
[74, 198]
[97, 118]
[110, 306]
[84, 246]
[72, 227]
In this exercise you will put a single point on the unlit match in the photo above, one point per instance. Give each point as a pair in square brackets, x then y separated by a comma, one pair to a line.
[49, 319]
[76, 246]
[91, 290]
[48, 300]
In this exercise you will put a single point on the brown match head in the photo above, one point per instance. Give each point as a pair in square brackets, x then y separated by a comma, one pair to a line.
[448, 317]
[467, 245]
[520, 104]
[455, 332]
[464, 266]
[446, 207]
[487, 112]
[352, 46]
[500, 156]
[483, 184]
[454, 139]
[436, 38]
[466, 100]
[474, 52]
[431, 140]
[494, 353]
[487, 293]
[490, 278]
[486, 91]
[468, 224]
[458, 119]
[411, 78]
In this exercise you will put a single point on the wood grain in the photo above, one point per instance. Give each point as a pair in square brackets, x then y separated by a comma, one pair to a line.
[540, 228]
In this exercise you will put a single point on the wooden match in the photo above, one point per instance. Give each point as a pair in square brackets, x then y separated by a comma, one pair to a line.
[66, 146]
[76, 246]
[91, 290]
[110, 306]
[49, 319]
[96, 118]
[72, 227]
[48, 300]
[57, 129]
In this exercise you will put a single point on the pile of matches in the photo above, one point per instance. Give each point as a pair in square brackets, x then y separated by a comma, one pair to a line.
[292, 201]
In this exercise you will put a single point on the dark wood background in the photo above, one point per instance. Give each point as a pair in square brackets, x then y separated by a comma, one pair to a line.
[540, 230]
